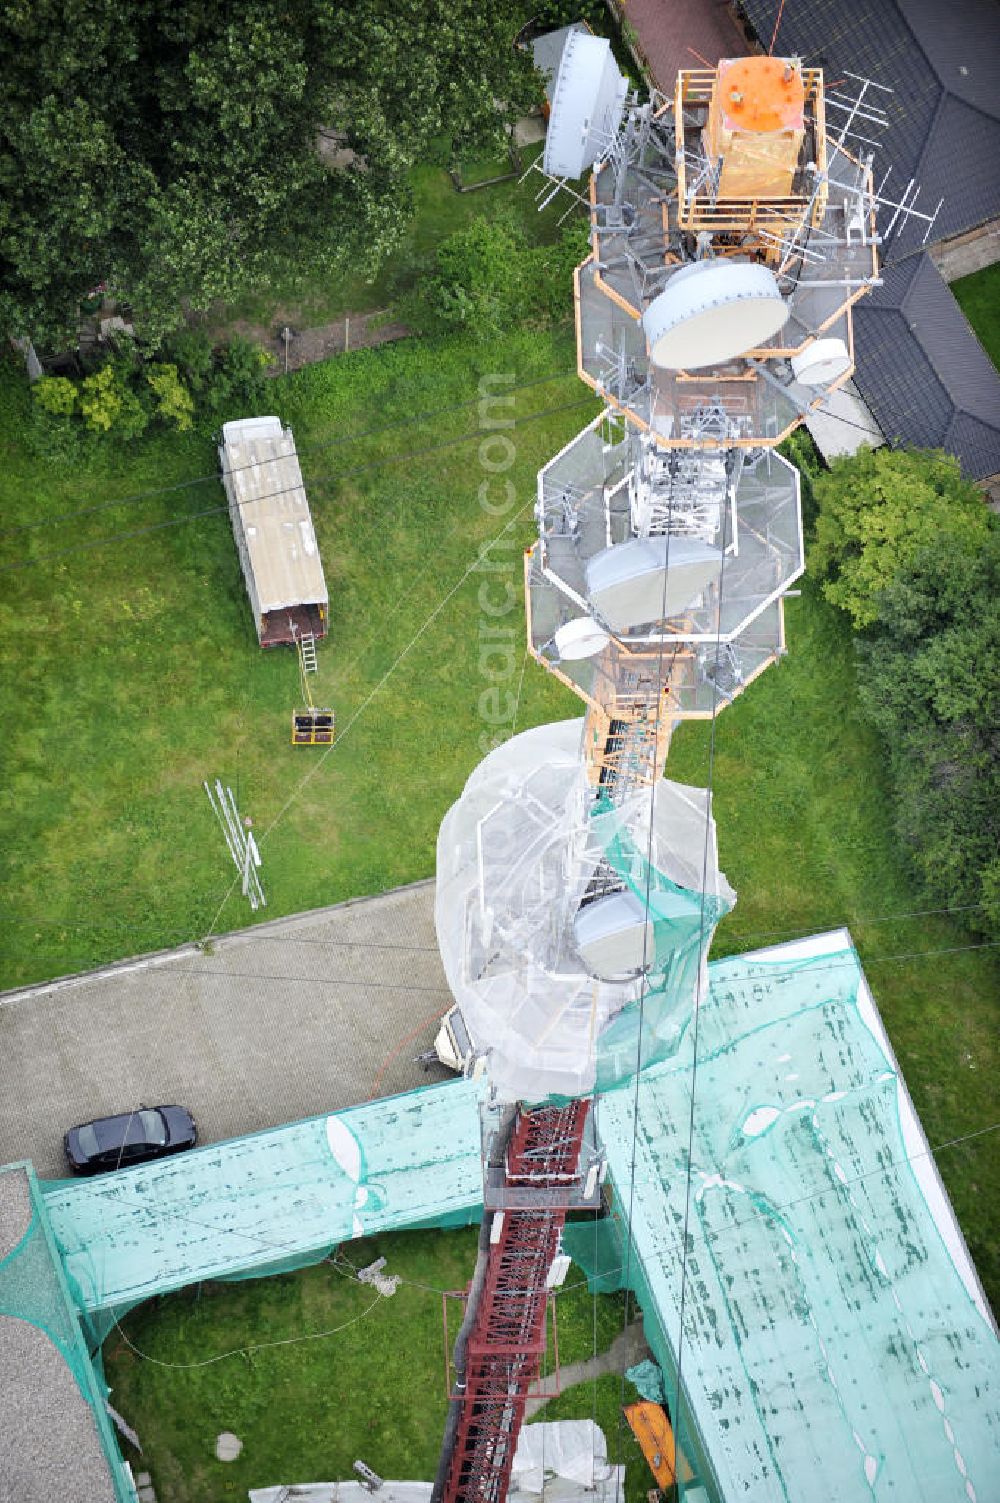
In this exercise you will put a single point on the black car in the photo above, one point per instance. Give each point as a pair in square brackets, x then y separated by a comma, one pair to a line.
[131, 1138]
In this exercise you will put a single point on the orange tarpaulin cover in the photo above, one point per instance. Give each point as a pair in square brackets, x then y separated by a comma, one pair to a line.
[651, 1428]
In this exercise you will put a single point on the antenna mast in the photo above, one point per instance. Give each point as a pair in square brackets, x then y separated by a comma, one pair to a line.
[577, 890]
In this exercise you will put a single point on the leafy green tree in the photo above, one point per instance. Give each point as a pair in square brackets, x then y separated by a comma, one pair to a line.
[171, 149]
[878, 509]
[930, 683]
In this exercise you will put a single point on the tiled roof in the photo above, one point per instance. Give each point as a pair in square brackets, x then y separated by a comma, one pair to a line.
[922, 371]
[920, 368]
[943, 65]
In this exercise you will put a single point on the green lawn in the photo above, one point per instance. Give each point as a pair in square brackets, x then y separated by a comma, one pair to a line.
[130, 672]
[373, 1389]
[979, 298]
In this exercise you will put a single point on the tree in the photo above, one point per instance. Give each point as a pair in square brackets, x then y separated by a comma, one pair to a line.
[170, 149]
[930, 683]
[878, 509]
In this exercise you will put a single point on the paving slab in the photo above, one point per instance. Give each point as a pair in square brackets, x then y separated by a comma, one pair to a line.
[675, 34]
[268, 1025]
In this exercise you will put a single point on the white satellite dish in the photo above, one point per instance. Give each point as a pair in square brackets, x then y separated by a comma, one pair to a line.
[822, 362]
[615, 936]
[649, 579]
[711, 311]
[580, 638]
[588, 99]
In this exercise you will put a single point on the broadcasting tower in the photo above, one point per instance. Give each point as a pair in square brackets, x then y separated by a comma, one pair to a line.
[577, 889]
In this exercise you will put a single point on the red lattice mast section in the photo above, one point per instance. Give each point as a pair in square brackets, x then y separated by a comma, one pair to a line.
[502, 1350]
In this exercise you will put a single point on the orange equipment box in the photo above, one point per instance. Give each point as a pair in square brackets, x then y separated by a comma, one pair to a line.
[651, 1428]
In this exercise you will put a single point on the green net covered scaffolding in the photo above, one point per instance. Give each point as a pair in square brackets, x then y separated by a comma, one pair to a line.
[835, 1334]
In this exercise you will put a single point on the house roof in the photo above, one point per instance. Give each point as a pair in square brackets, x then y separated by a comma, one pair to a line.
[943, 65]
[925, 376]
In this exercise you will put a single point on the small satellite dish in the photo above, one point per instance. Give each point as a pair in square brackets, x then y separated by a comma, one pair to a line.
[588, 99]
[580, 638]
[712, 311]
[821, 363]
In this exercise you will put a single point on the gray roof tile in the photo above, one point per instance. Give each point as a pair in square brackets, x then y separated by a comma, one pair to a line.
[923, 372]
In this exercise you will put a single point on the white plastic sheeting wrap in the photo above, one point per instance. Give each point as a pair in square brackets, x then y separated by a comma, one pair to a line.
[517, 855]
[564, 1462]
[342, 1492]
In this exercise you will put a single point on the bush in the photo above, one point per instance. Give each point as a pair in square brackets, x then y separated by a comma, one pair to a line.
[549, 270]
[479, 281]
[190, 350]
[487, 280]
[124, 394]
[107, 403]
[174, 403]
[55, 395]
[236, 383]
[878, 509]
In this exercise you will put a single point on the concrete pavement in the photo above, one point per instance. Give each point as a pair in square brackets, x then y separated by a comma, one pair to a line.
[271, 1024]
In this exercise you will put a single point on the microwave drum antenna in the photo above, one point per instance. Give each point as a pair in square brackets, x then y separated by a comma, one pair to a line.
[588, 100]
[712, 311]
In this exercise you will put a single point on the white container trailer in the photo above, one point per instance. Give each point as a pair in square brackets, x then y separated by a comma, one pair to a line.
[273, 531]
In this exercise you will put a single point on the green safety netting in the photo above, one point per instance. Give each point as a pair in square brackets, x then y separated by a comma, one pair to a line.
[647, 1379]
[33, 1289]
[270, 1202]
[833, 1325]
[683, 921]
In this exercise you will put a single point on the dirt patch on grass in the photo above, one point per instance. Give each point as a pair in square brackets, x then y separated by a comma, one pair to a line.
[354, 331]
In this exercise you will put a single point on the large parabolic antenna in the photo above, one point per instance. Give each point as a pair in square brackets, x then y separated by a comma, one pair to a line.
[712, 311]
[588, 100]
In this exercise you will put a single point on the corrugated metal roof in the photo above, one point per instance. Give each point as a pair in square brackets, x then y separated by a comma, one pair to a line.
[268, 502]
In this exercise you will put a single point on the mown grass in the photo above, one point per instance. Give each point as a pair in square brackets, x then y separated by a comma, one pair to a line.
[373, 1389]
[130, 671]
[979, 298]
